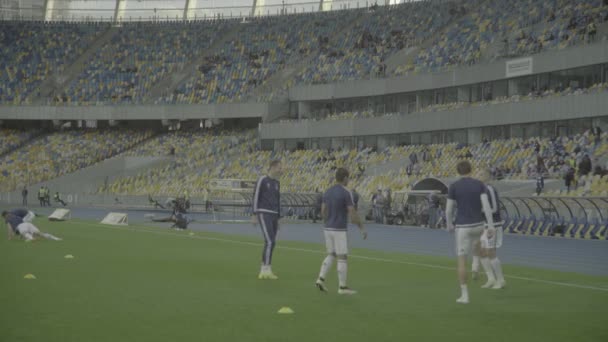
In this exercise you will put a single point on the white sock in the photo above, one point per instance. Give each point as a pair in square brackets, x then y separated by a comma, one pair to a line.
[342, 269]
[50, 237]
[475, 266]
[487, 267]
[497, 267]
[326, 265]
[464, 291]
[265, 269]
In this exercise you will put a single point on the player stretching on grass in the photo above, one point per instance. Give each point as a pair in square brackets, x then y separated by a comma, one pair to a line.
[489, 244]
[471, 200]
[338, 205]
[267, 211]
[16, 225]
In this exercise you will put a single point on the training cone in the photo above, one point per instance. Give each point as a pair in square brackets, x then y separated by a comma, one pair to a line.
[285, 310]
[29, 276]
[69, 256]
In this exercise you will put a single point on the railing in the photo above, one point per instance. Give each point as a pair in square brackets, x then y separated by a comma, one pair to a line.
[559, 207]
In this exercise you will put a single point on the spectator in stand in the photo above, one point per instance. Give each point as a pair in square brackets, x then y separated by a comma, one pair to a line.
[597, 133]
[413, 158]
[569, 178]
[585, 167]
[591, 32]
[598, 171]
[540, 164]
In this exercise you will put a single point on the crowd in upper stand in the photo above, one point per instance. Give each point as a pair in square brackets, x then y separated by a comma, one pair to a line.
[132, 60]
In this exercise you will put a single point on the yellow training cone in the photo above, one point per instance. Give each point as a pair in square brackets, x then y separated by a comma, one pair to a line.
[69, 256]
[29, 276]
[285, 310]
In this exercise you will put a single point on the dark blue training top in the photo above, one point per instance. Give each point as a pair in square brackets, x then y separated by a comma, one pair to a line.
[14, 221]
[493, 198]
[267, 196]
[19, 212]
[337, 200]
[467, 194]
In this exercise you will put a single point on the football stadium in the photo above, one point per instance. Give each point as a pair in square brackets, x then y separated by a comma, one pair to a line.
[304, 170]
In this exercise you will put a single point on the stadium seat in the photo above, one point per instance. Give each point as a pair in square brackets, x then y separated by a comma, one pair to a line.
[530, 225]
[599, 232]
[547, 226]
[585, 232]
[517, 226]
[574, 229]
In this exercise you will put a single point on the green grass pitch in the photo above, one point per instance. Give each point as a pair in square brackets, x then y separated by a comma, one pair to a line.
[142, 283]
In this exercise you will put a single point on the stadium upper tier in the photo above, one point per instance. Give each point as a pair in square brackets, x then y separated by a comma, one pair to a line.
[201, 157]
[124, 64]
[520, 27]
[32, 52]
[60, 153]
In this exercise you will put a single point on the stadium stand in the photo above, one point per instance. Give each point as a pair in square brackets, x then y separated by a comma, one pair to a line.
[198, 157]
[60, 153]
[33, 51]
[138, 55]
[263, 47]
[362, 52]
[539, 25]
[11, 139]
[230, 155]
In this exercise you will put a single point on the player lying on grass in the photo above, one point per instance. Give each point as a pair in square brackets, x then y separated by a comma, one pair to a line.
[337, 206]
[16, 225]
[180, 220]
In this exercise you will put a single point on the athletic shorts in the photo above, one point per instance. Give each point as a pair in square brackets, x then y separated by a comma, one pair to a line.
[336, 242]
[27, 230]
[495, 241]
[465, 238]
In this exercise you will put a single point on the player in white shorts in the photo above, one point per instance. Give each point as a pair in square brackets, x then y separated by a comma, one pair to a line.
[17, 225]
[471, 200]
[338, 204]
[490, 242]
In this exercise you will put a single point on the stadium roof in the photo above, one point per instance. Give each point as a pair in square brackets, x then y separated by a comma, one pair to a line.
[136, 10]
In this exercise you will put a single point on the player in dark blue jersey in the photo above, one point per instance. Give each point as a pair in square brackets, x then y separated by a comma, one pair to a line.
[471, 199]
[489, 243]
[338, 205]
[267, 211]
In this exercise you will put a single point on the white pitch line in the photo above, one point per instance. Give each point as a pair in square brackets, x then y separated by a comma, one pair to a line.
[256, 244]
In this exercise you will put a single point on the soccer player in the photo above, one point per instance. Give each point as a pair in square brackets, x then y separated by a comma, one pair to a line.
[471, 199]
[489, 243]
[267, 211]
[338, 205]
[17, 224]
